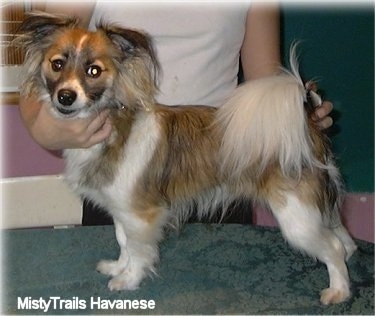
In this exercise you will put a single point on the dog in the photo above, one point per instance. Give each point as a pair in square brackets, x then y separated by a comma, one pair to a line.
[161, 163]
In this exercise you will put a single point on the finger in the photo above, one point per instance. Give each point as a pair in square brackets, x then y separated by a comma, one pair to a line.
[85, 128]
[324, 110]
[100, 135]
[97, 122]
[311, 85]
[325, 123]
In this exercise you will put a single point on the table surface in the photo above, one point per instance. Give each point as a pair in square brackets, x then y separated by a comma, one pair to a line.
[204, 269]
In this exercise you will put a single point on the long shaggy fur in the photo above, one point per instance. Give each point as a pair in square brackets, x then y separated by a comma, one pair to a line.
[163, 163]
[266, 115]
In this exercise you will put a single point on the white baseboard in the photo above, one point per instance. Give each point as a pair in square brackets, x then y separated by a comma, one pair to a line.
[39, 201]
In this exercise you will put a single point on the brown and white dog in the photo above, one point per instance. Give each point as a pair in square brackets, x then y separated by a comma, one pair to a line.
[161, 163]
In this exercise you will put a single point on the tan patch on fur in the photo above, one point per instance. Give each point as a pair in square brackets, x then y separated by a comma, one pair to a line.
[309, 188]
[150, 210]
[272, 187]
[184, 162]
[189, 150]
[148, 213]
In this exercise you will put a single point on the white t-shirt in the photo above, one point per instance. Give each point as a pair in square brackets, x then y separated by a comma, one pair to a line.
[197, 45]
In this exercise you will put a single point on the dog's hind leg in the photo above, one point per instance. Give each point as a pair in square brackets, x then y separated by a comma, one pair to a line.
[331, 193]
[302, 225]
[349, 245]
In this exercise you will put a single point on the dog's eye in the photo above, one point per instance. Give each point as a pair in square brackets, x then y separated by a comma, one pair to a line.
[94, 71]
[57, 65]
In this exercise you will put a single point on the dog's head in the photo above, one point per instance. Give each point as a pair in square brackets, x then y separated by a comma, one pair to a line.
[78, 72]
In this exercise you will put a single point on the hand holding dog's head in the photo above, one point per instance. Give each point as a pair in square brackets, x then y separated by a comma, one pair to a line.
[78, 72]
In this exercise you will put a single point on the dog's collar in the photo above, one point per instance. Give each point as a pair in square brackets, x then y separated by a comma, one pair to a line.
[119, 106]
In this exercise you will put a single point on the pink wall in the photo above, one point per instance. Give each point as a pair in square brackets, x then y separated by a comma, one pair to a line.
[357, 215]
[21, 156]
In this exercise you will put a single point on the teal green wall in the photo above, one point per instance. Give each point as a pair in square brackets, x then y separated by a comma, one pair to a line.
[337, 48]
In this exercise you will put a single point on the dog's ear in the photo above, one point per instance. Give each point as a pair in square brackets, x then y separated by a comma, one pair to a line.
[34, 35]
[137, 63]
[130, 42]
[37, 25]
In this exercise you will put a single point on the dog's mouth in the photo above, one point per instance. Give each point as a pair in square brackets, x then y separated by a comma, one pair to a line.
[67, 112]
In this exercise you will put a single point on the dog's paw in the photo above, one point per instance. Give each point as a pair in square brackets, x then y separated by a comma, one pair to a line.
[123, 281]
[110, 267]
[124, 277]
[333, 296]
[350, 249]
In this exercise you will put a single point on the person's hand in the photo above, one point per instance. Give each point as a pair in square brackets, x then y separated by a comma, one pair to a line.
[58, 133]
[321, 115]
[322, 111]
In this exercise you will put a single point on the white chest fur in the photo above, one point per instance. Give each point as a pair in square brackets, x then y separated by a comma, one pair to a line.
[136, 154]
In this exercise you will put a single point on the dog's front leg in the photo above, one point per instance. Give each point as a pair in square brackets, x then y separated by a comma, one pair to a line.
[138, 240]
[115, 267]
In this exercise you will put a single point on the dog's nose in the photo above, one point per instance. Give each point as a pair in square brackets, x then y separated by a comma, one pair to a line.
[66, 97]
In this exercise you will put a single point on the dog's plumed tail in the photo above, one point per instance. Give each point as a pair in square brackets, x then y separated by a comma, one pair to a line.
[264, 124]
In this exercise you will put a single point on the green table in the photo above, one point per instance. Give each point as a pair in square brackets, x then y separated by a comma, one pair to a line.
[204, 269]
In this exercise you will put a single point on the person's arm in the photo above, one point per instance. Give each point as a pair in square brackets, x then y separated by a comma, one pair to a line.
[260, 52]
[57, 133]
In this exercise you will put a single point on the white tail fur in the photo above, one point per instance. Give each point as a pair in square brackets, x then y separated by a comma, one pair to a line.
[264, 122]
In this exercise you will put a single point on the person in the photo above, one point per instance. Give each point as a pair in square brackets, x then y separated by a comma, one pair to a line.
[199, 47]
